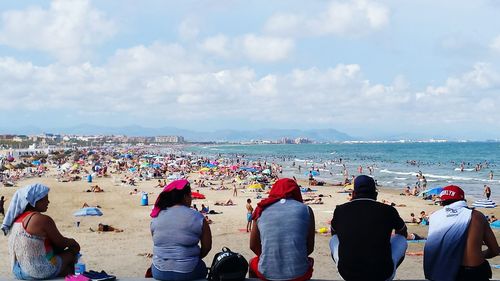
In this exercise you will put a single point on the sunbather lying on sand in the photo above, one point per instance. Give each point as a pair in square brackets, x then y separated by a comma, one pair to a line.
[85, 205]
[106, 228]
[95, 188]
[313, 201]
[229, 202]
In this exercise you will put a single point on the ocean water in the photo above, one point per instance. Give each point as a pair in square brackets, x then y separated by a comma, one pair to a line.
[395, 164]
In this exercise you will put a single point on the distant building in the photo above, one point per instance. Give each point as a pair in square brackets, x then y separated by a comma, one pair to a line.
[286, 141]
[302, 140]
[169, 139]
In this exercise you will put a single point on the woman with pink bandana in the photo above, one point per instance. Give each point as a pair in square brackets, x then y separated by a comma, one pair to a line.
[177, 229]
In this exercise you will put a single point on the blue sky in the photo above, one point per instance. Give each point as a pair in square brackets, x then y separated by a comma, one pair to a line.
[367, 68]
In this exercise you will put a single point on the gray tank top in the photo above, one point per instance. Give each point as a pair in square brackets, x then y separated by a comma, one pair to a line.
[283, 228]
[176, 233]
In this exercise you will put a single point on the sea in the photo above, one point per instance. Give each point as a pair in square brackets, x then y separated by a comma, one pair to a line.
[395, 165]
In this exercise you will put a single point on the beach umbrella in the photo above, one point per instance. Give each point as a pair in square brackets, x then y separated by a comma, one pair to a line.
[197, 195]
[255, 186]
[314, 173]
[36, 162]
[484, 203]
[66, 166]
[432, 191]
[88, 211]
[266, 171]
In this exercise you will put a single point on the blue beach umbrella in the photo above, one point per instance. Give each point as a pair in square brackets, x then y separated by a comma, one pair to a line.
[88, 211]
[314, 173]
[432, 191]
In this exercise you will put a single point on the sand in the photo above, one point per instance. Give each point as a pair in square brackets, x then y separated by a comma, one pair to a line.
[125, 254]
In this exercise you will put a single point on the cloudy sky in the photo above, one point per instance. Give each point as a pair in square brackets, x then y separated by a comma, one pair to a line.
[367, 68]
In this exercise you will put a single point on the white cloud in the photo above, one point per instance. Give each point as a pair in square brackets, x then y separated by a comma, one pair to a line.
[351, 18]
[495, 45]
[267, 49]
[254, 47]
[176, 86]
[188, 29]
[66, 30]
[217, 45]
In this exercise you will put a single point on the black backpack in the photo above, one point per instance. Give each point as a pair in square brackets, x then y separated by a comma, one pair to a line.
[228, 266]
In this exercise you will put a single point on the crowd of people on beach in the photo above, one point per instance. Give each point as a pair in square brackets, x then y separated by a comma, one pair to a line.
[369, 238]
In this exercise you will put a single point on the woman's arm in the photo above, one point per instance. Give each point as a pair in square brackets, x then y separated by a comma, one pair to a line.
[49, 227]
[312, 232]
[205, 240]
[255, 244]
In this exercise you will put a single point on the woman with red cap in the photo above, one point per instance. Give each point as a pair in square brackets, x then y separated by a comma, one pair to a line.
[177, 229]
[283, 235]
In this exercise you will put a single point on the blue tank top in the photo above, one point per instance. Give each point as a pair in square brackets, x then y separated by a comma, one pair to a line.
[283, 228]
[176, 233]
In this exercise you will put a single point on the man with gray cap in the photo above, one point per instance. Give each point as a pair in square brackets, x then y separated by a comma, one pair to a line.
[362, 244]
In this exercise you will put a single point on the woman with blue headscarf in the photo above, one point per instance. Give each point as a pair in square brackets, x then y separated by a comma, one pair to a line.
[36, 247]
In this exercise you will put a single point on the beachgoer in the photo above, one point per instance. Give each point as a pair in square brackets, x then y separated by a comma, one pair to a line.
[106, 228]
[283, 235]
[235, 190]
[423, 219]
[361, 245]
[453, 250]
[36, 247]
[491, 175]
[415, 191]
[406, 191]
[487, 191]
[228, 202]
[2, 202]
[413, 219]
[86, 205]
[177, 230]
[249, 214]
[209, 221]
[492, 219]
[204, 209]
[95, 188]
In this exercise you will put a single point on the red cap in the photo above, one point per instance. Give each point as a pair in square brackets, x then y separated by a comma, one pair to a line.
[452, 192]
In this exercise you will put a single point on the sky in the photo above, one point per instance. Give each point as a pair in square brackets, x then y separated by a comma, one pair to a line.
[366, 68]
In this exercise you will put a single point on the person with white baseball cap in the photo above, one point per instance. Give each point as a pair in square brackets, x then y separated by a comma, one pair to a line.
[453, 250]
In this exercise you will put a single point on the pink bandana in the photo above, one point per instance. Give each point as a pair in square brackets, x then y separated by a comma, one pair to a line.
[177, 184]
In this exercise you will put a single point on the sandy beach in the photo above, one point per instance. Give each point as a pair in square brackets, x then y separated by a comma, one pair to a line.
[126, 253]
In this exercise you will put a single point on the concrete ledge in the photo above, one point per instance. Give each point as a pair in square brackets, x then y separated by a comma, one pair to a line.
[247, 279]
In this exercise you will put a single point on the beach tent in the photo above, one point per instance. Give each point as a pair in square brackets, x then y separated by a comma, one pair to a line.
[314, 173]
[36, 162]
[88, 211]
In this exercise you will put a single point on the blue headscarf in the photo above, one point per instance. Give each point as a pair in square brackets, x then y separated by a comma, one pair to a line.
[29, 194]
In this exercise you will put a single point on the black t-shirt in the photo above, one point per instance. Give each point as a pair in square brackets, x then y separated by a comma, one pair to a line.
[364, 228]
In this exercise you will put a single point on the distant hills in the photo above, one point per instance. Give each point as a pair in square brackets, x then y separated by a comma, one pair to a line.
[320, 135]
